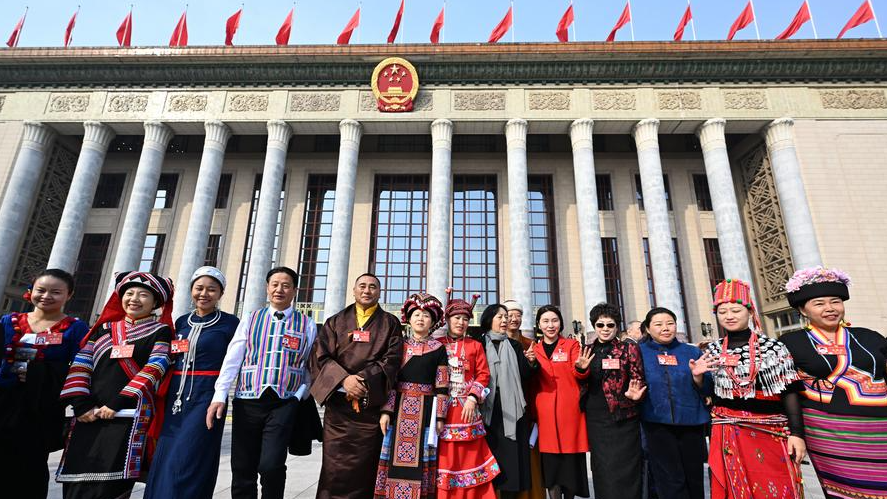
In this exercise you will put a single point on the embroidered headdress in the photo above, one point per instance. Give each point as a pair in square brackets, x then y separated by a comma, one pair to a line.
[739, 292]
[160, 287]
[458, 306]
[815, 282]
[426, 302]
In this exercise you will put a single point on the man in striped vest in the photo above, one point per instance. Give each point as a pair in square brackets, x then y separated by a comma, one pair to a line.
[268, 355]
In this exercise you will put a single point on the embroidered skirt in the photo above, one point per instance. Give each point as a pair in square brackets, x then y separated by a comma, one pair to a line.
[408, 464]
[466, 466]
[849, 454]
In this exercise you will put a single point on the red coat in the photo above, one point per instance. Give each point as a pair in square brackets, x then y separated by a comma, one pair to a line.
[556, 401]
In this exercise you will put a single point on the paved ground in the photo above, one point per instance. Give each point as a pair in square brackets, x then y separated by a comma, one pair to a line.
[303, 472]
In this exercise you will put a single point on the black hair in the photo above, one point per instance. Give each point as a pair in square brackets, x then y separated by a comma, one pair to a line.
[282, 270]
[645, 326]
[550, 308]
[605, 310]
[486, 318]
[370, 274]
[59, 274]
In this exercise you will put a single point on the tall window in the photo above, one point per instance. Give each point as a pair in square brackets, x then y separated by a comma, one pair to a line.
[703, 196]
[224, 192]
[247, 249]
[316, 231]
[152, 253]
[543, 252]
[713, 259]
[213, 245]
[398, 246]
[475, 232]
[612, 278]
[639, 192]
[604, 192]
[92, 256]
[651, 292]
[109, 190]
[166, 191]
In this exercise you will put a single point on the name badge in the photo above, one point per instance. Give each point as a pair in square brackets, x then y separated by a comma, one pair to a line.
[729, 359]
[179, 346]
[667, 360]
[122, 351]
[291, 341]
[610, 364]
[48, 339]
[457, 375]
[360, 336]
[832, 349]
[560, 356]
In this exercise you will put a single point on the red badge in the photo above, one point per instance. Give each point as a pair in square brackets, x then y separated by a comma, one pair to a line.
[560, 356]
[122, 351]
[610, 364]
[179, 346]
[360, 336]
[729, 359]
[48, 339]
[291, 341]
[395, 85]
[831, 349]
[667, 360]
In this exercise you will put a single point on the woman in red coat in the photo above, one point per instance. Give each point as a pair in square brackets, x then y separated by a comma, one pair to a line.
[562, 437]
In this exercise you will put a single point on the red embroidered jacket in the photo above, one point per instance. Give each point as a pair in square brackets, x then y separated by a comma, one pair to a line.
[615, 382]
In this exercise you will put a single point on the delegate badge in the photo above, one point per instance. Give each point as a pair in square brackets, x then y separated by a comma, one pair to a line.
[122, 351]
[560, 356]
[360, 336]
[832, 349]
[291, 341]
[729, 359]
[667, 360]
[610, 364]
[179, 346]
[48, 339]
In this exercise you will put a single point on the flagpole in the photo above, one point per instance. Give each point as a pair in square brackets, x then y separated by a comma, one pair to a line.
[755, 19]
[692, 20]
[631, 19]
[812, 24]
[401, 22]
[359, 5]
[25, 18]
[575, 36]
[872, 7]
[71, 39]
[512, 21]
[443, 29]
[128, 29]
[179, 39]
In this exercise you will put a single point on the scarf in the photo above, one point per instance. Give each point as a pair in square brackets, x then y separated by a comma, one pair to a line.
[505, 383]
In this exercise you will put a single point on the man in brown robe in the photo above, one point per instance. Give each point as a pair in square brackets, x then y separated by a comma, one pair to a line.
[355, 363]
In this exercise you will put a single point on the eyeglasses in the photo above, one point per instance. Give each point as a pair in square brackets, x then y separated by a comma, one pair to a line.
[601, 325]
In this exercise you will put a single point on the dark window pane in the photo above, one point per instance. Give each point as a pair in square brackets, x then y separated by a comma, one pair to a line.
[713, 259]
[109, 190]
[224, 192]
[474, 200]
[315, 238]
[543, 252]
[604, 193]
[92, 256]
[612, 277]
[166, 191]
[703, 196]
[212, 250]
[152, 253]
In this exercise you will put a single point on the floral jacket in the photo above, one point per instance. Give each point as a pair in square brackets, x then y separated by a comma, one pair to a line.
[615, 381]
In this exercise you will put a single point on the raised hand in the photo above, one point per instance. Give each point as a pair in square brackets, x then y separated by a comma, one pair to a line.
[584, 359]
[636, 390]
[704, 364]
[530, 354]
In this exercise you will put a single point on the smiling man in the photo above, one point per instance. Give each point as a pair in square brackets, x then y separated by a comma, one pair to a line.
[355, 365]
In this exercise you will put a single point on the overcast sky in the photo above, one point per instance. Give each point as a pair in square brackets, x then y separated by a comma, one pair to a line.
[319, 22]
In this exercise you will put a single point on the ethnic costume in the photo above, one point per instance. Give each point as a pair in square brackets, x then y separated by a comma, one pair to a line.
[408, 462]
[121, 366]
[32, 419]
[844, 399]
[755, 409]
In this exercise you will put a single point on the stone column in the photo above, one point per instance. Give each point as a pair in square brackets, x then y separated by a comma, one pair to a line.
[594, 289]
[662, 259]
[728, 222]
[343, 215]
[790, 190]
[262, 249]
[144, 190]
[202, 210]
[66, 248]
[519, 220]
[441, 206]
[24, 183]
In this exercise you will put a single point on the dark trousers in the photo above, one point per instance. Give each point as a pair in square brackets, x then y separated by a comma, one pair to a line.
[677, 456]
[259, 438]
[23, 466]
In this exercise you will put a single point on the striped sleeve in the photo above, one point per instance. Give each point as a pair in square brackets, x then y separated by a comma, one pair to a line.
[147, 381]
[79, 376]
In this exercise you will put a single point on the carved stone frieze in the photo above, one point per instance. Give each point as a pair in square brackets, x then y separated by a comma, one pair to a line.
[549, 101]
[314, 102]
[479, 101]
[69, 103]
[615, 101]
[368, 101]
[127, 103]
[853, 99]
[2, 101]
[185, 103]
[243, 103]
[682, 99]
[745, 99]
[424, 101]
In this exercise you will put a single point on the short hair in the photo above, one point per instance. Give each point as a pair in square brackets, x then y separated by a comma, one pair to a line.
[645, 326]
[550, 308]
[368, 274]
[59, 274]
[282, 270]
[486, 318]
[605, 310]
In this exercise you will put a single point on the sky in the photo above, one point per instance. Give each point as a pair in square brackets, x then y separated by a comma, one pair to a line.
[467, 21]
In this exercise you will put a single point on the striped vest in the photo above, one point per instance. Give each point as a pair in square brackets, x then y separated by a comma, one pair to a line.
[267, 364]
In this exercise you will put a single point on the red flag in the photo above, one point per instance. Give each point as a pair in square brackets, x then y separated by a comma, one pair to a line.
[394, 29]
[501, 28]
[179, 36]
[863, 15]
[624, 19]
[124, 32]
[801, 17]
[744, 19]
[283, 35]
[564, 25]
[345, 35]
[438, 25]
[70, 29]
[231, 27]
[16, 32]
[685, 20]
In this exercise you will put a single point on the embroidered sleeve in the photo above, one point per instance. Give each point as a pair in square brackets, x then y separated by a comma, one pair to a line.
[389, 404]
[635, 363]
[76, 389]
[441, 385]
[481, 375]
[147, 380]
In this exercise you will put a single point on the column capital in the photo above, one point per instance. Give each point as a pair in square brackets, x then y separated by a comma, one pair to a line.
[711, 134]
[516, 132]
[97, 135]
[350, 131]
[157, 134]
[646, 134]
[581, 133]
[217, 132]
[279, 133]
[779, 134]
[37, 136]
[442, 133]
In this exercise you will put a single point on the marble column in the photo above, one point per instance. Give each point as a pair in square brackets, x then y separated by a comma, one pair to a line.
[202, 210]
[441, 204]
[594, 289]
[343, 216]
[662, 258]
[728, 223]
[21, 190]
[519, 220]
[262, 249]
[66, 248]
[131, 241]
[792, 197]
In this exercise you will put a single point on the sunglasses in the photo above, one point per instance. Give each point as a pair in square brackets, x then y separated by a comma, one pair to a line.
[601, 325]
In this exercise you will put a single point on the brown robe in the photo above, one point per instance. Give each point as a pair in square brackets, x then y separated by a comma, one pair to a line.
[352, 440]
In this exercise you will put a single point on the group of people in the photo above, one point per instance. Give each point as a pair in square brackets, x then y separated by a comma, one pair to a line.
[420, 407]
